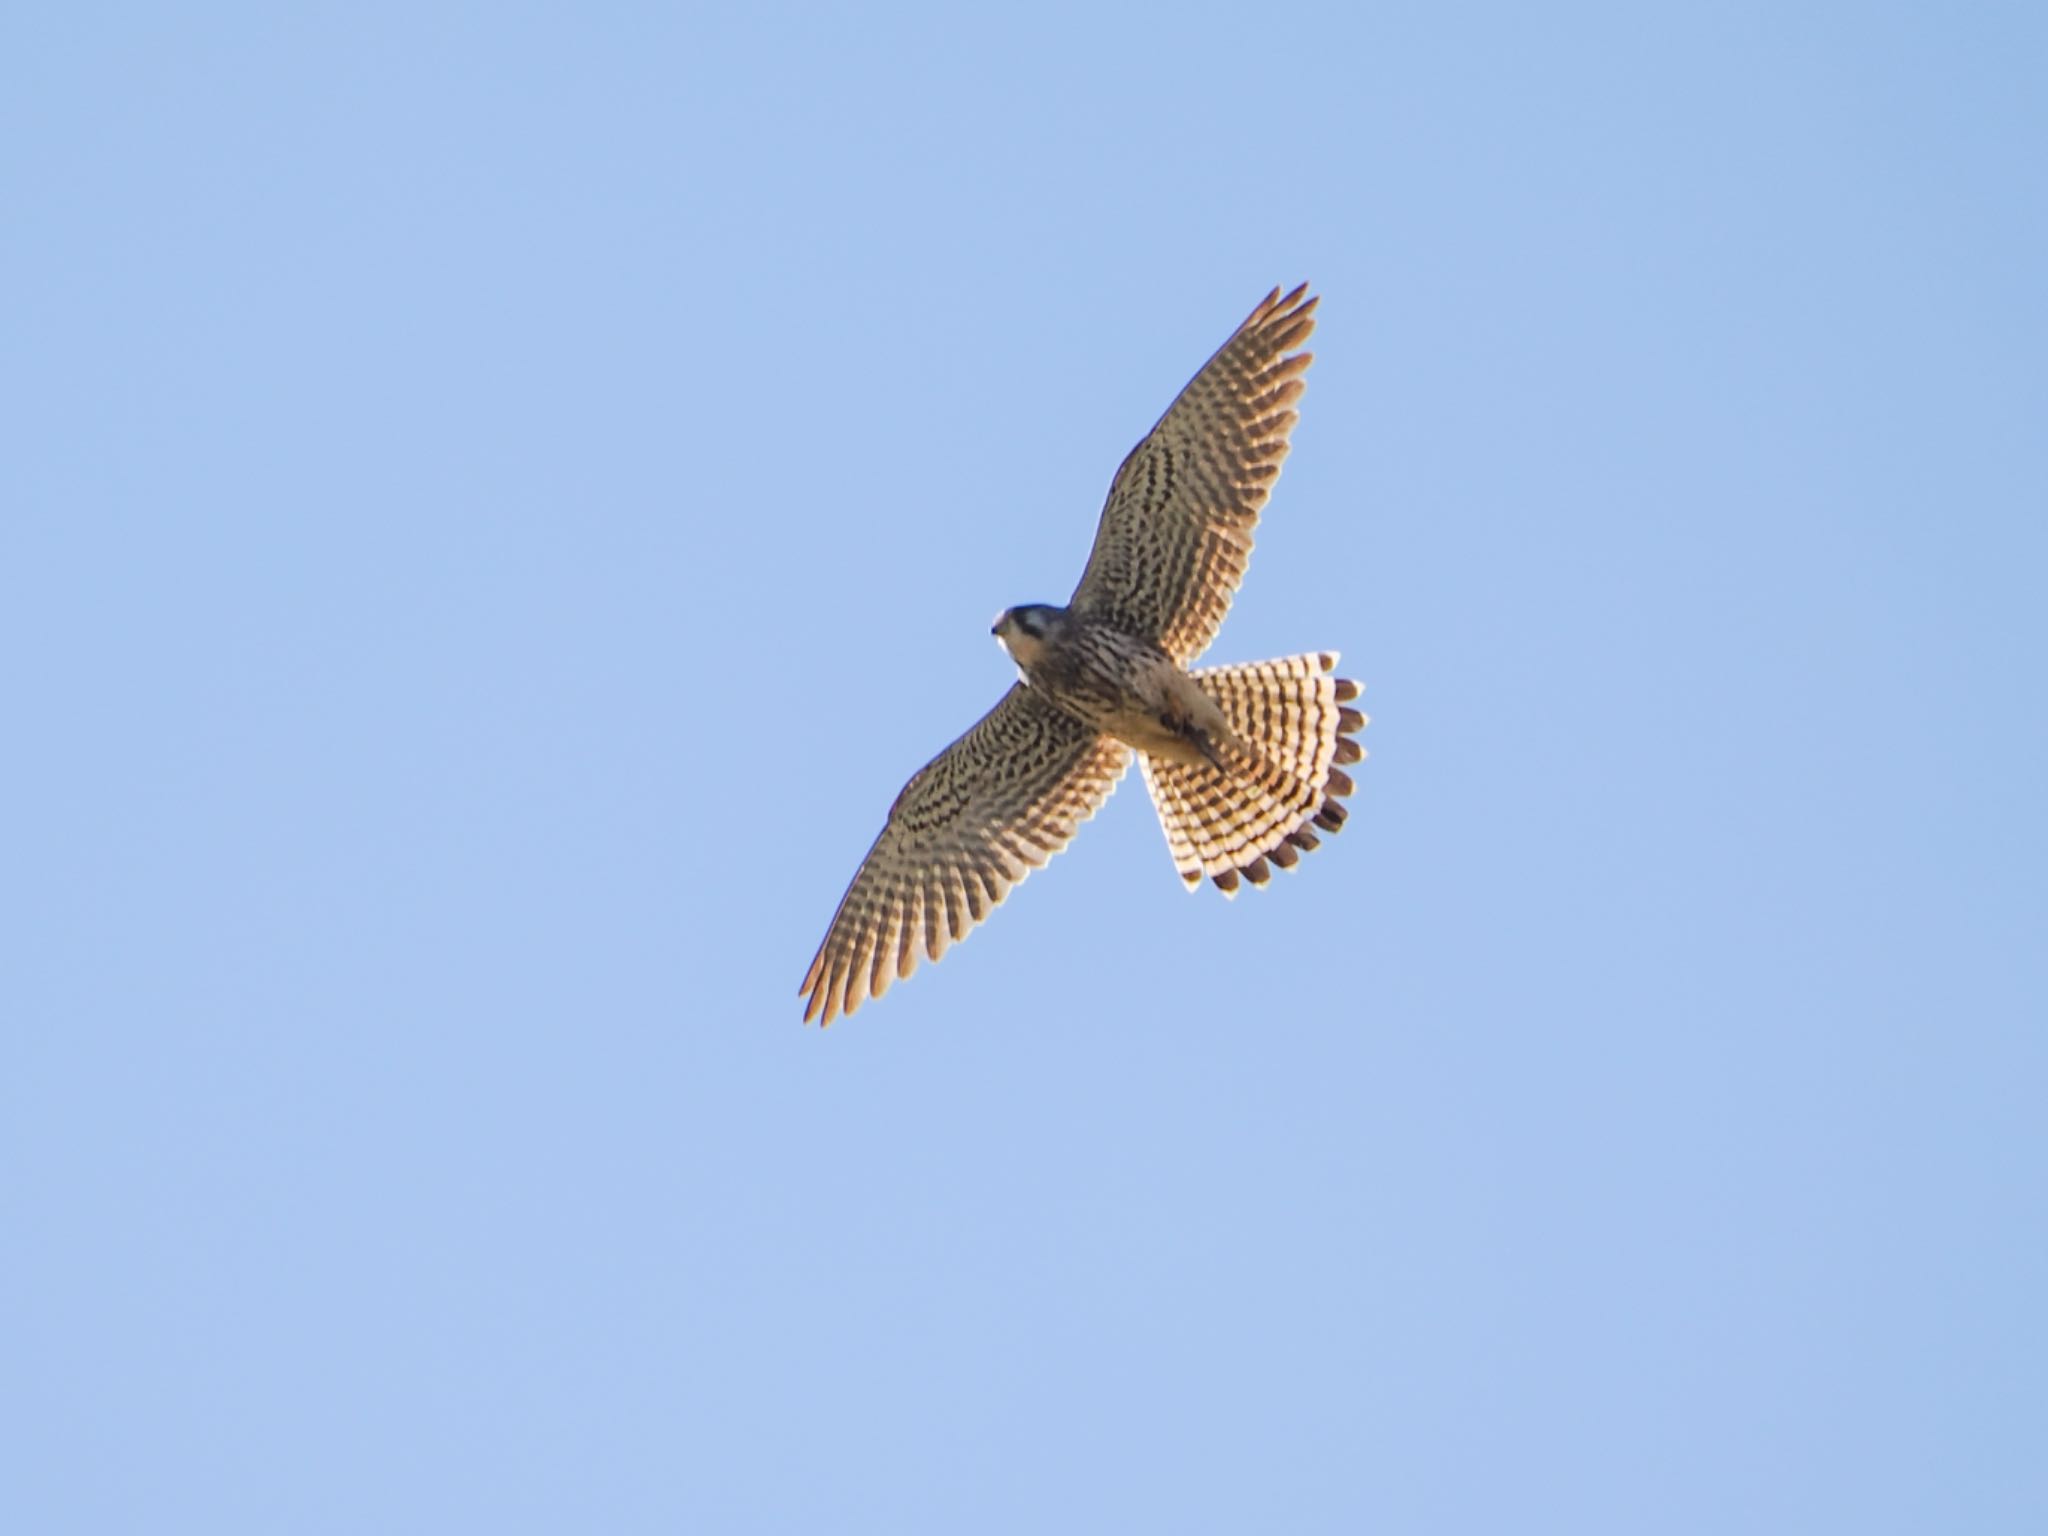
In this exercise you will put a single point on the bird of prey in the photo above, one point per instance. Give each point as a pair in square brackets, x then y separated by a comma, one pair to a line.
[1244, 762]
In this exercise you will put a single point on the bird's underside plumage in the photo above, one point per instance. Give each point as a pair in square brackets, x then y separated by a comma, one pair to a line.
[1245, 763]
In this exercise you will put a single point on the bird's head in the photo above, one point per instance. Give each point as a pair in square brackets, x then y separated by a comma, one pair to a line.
[1025, 629]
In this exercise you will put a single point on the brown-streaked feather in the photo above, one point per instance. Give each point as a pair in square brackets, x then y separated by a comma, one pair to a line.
[970, 824]
[1176, 531]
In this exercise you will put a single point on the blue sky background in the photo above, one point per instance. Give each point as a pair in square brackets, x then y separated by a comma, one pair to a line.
[498, 499]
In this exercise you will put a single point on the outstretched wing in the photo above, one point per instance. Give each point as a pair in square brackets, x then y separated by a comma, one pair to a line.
[1176, 531]
[970, 824]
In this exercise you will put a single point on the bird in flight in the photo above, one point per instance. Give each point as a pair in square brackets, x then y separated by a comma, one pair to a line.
[1245, 762]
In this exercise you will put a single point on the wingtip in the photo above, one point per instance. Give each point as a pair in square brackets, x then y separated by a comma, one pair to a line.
[1292, 304]
[810, 991]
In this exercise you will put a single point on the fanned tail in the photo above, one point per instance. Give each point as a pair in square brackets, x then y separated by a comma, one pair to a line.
[1265, 805]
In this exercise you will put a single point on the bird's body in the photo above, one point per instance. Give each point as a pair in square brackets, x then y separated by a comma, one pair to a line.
[1123, 685]
[1243, 762]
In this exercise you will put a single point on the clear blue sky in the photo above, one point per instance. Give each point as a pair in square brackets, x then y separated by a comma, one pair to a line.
[497, 502]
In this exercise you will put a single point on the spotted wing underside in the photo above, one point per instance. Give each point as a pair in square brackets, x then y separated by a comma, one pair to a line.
[1176, 531]
[972, 823]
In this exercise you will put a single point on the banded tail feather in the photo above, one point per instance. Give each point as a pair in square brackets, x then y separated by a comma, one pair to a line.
[1264, 807]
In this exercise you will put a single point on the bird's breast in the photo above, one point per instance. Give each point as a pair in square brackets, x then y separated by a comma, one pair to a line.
[1133, 691]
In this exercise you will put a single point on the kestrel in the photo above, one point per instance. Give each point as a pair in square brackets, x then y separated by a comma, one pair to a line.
[1243, 762]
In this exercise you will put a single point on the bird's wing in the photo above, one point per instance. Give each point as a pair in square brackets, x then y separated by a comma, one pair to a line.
[1176, 531]
[970, 824]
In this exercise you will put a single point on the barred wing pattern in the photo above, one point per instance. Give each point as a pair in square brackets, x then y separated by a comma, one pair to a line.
[1176, 531]
[969, 825]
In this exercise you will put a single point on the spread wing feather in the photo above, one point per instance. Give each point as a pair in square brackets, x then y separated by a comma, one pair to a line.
[970, 824]
[1176, 531]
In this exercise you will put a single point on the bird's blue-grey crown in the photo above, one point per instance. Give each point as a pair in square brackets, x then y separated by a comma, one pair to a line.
[1034, 619]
